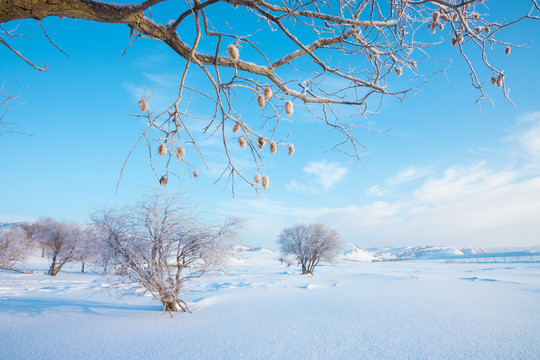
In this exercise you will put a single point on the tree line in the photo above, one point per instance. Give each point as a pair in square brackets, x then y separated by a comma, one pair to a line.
[156, 245]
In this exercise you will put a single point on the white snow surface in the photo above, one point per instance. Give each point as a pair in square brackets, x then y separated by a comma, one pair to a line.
[260, 309]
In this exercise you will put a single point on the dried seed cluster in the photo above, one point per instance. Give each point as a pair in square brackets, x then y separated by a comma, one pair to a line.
[242, 142]
[180, 152]
[267, 93]
[265, 182]
[163, 181]
[273, 147]
[289, 107]
[162, 149]
[233, 52]
[261, 142]
[143, 105]
[291, 149]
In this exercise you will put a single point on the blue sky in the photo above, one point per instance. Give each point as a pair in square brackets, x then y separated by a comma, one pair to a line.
[448, 172]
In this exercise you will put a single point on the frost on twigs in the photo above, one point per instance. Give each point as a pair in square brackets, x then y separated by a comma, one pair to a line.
[156, 246]
[336, 58]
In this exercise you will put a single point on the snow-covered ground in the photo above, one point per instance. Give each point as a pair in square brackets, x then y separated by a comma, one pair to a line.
[260, 309]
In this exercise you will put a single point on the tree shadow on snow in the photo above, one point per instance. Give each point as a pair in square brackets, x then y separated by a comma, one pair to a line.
[35, 307]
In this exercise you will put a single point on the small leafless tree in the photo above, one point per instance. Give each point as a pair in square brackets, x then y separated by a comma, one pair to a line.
[60, 241]
[87, 250]
[310, 244]
[333, 60]
[157, 246]
[34, 233]
[14, 247]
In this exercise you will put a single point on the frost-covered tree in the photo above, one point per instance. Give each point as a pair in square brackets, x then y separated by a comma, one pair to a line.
[60, 241]
[310, 244]
[14, 247]
[333, 60]
[157, 245]
[88, 248]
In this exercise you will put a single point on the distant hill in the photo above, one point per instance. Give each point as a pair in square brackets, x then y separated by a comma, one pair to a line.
[409, 253]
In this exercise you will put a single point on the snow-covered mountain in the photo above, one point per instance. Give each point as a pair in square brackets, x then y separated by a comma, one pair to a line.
[408, 253]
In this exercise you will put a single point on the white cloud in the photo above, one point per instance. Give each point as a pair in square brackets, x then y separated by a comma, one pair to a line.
[297, 187]
[460, 182]
[531, 140]
[409, 174]
[484, 204]
[375, 190]
[327, 174]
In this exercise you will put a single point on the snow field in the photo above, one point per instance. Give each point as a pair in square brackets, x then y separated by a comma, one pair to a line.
[260, 309]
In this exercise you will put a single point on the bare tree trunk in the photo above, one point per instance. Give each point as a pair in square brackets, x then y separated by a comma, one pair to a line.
[52, 267]
[82, 269]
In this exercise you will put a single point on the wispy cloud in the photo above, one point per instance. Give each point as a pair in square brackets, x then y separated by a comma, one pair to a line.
[375, 190]
[326, 174]
[409, 174]
[481, 204]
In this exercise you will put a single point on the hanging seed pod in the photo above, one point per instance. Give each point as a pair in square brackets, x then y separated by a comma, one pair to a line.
[459, 37]
[242, 142]
[289, 107]
[267, 93]
[233, 52]
[260, 101]
[500, 80]
[261, 142]
[399, 13]
[487, 29]
[433, 29]
[236, 128]
[414, 64]
[454, 41]
[291, 149]
[435, 17]
[162, 149]
[507, 50]
[163, 181]
[180, 152]
[143, 105]
[441, 27]
[195, 174]
[398, 70]
[273, 147]
[265, 182]
[257, 179]
[476, 16]
[444, 17]
[493, 80]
